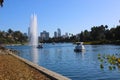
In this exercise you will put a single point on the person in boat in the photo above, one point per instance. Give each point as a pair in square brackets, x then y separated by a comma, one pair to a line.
[40, 46]
[79, 47]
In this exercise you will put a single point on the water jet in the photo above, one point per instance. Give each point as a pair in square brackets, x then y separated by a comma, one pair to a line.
[32, 31]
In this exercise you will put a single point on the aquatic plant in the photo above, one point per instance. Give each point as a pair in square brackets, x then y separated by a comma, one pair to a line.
[101, 66]
[113, 61]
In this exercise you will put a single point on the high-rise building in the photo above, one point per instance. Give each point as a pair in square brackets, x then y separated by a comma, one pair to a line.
[25, 34]
[44, 35]
[59, 32]
[66, 34]
[55, 34]
[29, 34]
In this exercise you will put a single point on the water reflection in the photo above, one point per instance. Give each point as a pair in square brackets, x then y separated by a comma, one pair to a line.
[58, 54]
[58, 50]
[34, 54]
[45, 56]
[82, 54]
[46, 51]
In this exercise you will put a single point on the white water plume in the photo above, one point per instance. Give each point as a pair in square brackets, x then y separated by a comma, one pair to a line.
[33, 37]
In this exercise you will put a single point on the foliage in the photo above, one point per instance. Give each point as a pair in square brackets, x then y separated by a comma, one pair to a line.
[97, 35]
[12, 37]
[1, 2]
[113, 61]
[101, 34]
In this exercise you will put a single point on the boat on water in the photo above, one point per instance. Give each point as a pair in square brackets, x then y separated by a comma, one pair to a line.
[40, 46]
[79, 47]
[53, 43]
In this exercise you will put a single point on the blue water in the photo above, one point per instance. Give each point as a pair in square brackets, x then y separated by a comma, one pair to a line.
[62, 59]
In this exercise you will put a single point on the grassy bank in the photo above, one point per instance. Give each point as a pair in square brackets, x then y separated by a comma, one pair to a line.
[116, 42]
[12, 68]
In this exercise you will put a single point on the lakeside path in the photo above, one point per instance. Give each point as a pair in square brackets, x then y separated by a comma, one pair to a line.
[12, 68]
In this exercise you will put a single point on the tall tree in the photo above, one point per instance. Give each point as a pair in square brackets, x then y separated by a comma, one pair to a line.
[81, 36]
[112, 33]
[117, 33]
[94, 33]
[10, 31]
[86, 35]
[98, 32]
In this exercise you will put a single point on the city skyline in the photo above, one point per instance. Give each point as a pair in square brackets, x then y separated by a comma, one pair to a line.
[57, 33]
[72, 16]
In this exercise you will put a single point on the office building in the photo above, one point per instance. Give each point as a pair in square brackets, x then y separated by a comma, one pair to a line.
[55, 34]
[44, 35]
[59, 32]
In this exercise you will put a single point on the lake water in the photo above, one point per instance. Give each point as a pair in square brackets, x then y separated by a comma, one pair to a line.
[62, 59]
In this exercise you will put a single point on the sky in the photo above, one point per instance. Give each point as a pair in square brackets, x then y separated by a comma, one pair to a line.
[72, 16]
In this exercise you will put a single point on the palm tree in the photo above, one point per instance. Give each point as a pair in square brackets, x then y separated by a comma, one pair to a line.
[1, 2]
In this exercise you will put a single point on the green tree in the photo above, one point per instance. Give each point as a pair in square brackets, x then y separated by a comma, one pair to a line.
[117, 33]
[10, 31]
[108, 34]
[98, 32]
[81, 35]
[112, 33]
[86, 35]
[18, 36]
[94, 33]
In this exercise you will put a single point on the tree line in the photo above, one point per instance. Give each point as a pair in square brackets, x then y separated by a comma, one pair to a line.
[97, 34]
[101, 33]
[12, 37]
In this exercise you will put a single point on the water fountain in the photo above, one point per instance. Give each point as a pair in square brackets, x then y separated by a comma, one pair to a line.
[32, 31]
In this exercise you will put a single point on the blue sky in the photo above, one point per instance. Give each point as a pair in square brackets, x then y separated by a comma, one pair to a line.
[72, 16]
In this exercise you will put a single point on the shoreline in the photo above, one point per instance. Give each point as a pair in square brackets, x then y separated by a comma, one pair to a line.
[101, 42]
[117, 42]
[13, 67]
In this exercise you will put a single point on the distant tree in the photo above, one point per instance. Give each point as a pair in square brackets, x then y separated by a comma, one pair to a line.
[17, 35]
[12, 37]
[117, 33]
[81, 35]
[112, 33]
[86, 35]
[98, 32]
[1, 2]
[94, 33]
[106, 26]
[10, 31]
[108, 35]
[73, 38]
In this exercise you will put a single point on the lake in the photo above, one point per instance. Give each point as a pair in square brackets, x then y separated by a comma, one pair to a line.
[62, 59]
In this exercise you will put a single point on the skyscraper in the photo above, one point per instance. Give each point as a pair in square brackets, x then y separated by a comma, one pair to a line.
[59, 32]
[55, 34]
